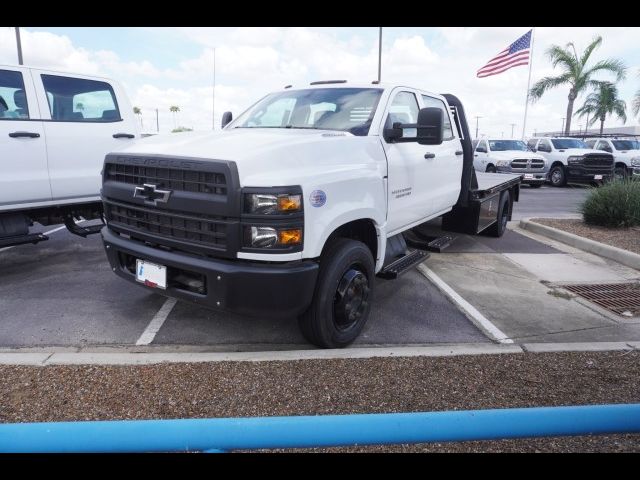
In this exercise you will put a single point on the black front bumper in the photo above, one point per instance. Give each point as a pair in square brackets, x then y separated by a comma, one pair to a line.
[239, 286]
[578, 175]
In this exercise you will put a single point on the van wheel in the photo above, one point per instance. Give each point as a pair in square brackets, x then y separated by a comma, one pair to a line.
[557, 176]
[498, 228]
[490, 169]
[342, 299]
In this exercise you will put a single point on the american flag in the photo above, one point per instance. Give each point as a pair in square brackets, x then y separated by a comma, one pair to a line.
[515, 54]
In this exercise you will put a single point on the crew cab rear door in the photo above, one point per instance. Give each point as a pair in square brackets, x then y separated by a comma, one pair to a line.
[23, 157]
[86, 119]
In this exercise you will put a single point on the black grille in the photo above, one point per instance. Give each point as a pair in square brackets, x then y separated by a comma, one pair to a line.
[170, 178]
[193, 228]
[598, 161]
[521, 163]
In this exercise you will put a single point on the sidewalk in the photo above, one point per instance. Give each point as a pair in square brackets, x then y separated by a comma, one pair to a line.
[515, 288]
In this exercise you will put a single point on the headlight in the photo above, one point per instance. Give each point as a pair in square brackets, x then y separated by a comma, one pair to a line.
[502, 163]
[574, 160]
[635, 162]
[271, 237]
[272, 204]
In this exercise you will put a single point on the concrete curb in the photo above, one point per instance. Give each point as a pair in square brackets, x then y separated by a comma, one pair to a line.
[127, 358]
[619, 255]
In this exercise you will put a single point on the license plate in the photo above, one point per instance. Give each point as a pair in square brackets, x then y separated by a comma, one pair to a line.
[597, 177]
[528, 176]
[151, 274]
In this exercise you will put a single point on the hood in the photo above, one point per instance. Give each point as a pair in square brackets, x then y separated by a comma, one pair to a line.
[265, 156]
[582, 151]
[513, 154]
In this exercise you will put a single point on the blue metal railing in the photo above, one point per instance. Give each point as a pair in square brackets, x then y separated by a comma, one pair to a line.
[226, 434]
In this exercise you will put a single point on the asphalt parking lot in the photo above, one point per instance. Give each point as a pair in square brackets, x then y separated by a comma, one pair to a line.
[62, 293]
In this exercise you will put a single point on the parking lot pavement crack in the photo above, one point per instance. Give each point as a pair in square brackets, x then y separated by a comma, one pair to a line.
[559, 332]
[44, 362]
[471, 267]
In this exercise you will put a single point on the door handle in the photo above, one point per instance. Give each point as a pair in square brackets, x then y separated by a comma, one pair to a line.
[123, 135]
[429, 155]
[460, 152]
[24, 134]
[475, 154]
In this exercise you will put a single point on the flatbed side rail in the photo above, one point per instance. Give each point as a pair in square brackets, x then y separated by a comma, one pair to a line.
[227, 434]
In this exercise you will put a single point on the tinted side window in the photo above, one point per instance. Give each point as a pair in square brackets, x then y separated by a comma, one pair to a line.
[13, 99]
[532, 143]
[546, 144]
[404, 109]
[80, 100]
[603, 146]
[447, 132]
[590, 143]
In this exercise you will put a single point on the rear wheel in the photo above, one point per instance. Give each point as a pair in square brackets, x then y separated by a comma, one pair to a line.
[502, 217]
[342, 300]
[557, 176]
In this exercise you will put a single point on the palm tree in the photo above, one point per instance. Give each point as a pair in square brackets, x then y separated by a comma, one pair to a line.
[603, 102]
[636, 103]
[174, 109]
[575, 73]
[137, 111]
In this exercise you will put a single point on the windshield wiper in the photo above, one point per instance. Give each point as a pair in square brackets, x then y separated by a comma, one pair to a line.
[303, 128]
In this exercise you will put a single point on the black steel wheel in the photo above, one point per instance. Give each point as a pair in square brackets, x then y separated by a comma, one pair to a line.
[342, 298]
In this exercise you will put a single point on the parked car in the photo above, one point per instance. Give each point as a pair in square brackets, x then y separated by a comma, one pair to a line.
[510, 156]
[571, 161]
[55, 129]
[625, 151]
[294, 207]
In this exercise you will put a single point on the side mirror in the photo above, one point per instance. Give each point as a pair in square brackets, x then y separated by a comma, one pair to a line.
[481, 149]
[226, 118]
[430, 121]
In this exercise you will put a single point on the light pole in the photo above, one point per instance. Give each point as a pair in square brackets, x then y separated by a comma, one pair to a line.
[213, 102]
[512, 127]
[477, 126]
[562, 129]
[19, 44]
[379, 54]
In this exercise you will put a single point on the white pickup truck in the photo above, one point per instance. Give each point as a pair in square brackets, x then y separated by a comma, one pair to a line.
[55, 129]
[625, 151]
[510, 156]
[294, 207]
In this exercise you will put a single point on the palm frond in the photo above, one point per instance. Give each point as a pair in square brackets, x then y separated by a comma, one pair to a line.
[559, 55]
[595, 43]
[547, 83]
[611, 65]
[635, 104]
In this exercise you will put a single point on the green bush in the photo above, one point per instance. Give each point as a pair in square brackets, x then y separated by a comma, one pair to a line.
[615, 205]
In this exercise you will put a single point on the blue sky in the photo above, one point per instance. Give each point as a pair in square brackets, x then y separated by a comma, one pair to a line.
[167, 66]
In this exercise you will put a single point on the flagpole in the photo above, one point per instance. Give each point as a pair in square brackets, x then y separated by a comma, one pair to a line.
[526, 104]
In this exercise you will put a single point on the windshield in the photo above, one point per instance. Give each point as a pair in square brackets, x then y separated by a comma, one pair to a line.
[346, 109]
[504, 145]
[563, 143]
[626, 144]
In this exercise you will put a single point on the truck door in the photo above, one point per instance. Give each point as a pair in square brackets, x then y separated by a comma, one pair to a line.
[88, 119]
[411, 178]
[446, 165]
[23, 157]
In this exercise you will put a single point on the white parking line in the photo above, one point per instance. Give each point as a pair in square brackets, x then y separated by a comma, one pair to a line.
[474, 315]
[156, 323]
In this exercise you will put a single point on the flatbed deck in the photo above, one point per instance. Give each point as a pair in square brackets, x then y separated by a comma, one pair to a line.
[491, 183]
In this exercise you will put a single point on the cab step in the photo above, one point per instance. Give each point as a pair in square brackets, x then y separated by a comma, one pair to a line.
[426, 242]
[76, 229]
[403, 264]
[22, 239]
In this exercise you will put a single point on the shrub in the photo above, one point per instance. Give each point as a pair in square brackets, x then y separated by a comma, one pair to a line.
[615, 205]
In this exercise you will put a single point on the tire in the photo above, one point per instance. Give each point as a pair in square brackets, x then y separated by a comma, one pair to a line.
[535, 185]
[620, 172]
[490, 169]
[557, 176]
[502, 217]
[346, 276]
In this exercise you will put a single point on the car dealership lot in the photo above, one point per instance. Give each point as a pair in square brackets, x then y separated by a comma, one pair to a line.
[62, 293]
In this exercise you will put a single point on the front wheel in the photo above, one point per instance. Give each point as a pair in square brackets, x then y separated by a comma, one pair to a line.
[342, 299]
[620, 172]
[557, 176]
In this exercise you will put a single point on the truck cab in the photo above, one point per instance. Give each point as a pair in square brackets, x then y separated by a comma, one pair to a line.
[294, 207]
[625, 151]
[55, 129]
[510, 156]
[572, 161]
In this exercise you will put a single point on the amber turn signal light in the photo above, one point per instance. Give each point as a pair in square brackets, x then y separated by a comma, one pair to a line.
[288, 203]
[290, 237]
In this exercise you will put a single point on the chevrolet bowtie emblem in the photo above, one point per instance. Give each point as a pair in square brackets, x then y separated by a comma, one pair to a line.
[151, 194]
